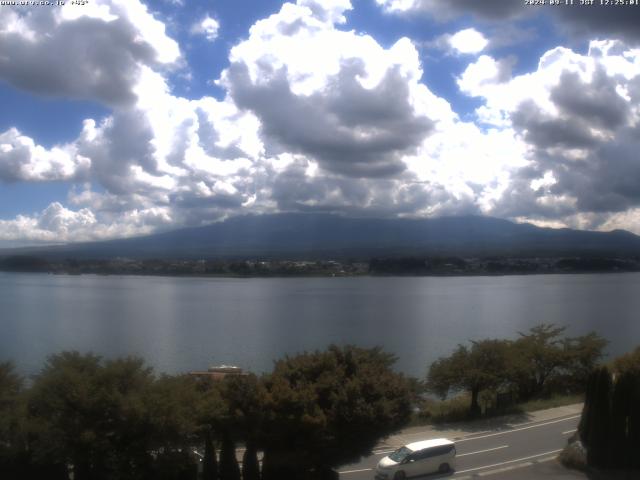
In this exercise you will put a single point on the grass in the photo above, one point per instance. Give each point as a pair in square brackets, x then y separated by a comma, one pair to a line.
[551, 402]
[456, 409]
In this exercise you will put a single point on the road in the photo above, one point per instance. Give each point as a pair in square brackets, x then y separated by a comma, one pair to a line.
[490, 451]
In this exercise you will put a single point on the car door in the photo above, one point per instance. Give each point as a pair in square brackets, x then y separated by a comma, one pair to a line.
[418, 463]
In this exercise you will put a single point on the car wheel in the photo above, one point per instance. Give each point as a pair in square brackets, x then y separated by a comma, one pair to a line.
[399, 475]
[444, 468]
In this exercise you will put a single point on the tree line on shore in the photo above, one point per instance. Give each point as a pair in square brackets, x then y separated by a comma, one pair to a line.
[540, 362]
[86, 417]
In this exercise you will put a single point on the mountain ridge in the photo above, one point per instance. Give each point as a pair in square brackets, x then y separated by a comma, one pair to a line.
[299, 235]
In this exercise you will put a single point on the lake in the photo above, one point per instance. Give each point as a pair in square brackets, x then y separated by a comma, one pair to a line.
[181, 324]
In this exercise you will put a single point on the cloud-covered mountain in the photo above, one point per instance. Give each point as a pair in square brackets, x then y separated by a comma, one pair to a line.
[322, 236]
[123, 118]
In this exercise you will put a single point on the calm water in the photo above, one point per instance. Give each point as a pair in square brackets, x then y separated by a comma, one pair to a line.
[179, 324]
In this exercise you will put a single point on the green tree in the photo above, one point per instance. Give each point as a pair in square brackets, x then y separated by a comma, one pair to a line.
[629, 362]
[540, 355]
[328, 408]
[545, 361]
[13, 424]
[105, 418]
[245, 397]
[582, 355]
[486, 365]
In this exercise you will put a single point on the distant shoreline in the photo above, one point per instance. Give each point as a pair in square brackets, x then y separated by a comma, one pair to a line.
[376, 267]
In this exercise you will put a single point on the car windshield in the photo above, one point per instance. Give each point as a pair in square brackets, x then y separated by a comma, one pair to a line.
[400, 454]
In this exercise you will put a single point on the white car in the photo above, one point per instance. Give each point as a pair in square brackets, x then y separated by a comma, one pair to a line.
[418, 458]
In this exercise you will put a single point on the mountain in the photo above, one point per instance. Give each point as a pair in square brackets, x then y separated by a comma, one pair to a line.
[324, 236]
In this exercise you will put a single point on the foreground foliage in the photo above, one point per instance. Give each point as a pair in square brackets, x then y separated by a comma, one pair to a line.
[84, 417]
[610, 423]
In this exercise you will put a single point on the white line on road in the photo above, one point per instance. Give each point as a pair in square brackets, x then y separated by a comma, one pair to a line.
[482, 451]
[569, 431]
[518, 429]
[508, 461]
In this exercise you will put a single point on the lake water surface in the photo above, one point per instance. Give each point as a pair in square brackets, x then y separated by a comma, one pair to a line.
[180, 324]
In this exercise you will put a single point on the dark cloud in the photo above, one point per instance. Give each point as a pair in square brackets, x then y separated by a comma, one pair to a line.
[123, 140]
[595, 103]
[87, 58]
[349, 129]
[579, 21]
[605, 21]
[485, 9]
[547, 131]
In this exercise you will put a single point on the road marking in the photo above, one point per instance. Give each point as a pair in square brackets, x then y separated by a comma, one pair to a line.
[518, 429]
[569, 431]
[356, 471]
[508, 461]
[482, 451]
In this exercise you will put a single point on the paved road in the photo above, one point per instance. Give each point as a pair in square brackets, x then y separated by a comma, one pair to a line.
[490, 450]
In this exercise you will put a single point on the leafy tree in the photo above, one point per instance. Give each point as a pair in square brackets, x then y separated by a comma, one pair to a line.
[545, 360]
[582, 355]
[244, 415]
[540, 355]
[328, 408]
[66, 408]
[104, 418]
[629, 362]
[12, 423]
[486, 365]
[174, 407]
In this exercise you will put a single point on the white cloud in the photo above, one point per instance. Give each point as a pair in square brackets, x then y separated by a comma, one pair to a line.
[58, 224]
[353, 107]
[21, 159]
[208, 27]
[468, 40]
[578, 115]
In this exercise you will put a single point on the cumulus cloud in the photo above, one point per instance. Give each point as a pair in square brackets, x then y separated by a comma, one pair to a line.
[21, 159]
[579, 21]
[58, 224]
[578, 115]
[468, 40]
[353, 106]
[208, 27]
[94, 52]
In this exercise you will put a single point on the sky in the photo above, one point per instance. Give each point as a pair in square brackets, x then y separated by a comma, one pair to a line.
[122, 117]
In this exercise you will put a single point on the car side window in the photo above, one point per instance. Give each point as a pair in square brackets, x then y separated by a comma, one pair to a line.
[421, 455]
